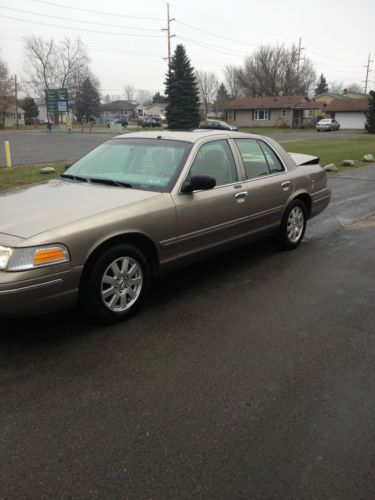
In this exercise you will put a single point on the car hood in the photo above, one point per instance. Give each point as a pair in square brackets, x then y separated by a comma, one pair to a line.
[30, 210]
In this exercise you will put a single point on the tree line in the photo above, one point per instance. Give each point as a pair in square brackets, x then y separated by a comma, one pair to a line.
[271, 70]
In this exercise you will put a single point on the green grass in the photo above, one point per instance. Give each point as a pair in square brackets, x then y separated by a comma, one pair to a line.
[334, 150]
[29, 174]
[272, 130]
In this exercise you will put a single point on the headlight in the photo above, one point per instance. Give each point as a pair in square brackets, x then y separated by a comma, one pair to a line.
[21, 259]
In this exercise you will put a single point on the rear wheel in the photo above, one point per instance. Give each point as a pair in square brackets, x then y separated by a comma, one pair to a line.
[116, 282]
[293, 225]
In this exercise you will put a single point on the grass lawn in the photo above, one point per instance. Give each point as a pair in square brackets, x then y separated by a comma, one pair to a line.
[29, 174]
[334, 150]
[271, 130]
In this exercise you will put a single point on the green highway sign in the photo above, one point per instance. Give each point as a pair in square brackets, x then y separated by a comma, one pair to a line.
[56, 100]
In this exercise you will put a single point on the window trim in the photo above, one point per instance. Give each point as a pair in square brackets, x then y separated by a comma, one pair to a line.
[285, 171]
[284, 113]
[266, 114]
[199, 146]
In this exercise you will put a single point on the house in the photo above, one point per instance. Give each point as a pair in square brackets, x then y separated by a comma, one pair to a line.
[283, 111]
[155, 109]
[328, 97]
[11, 116]
[117, 109]
[349, 112]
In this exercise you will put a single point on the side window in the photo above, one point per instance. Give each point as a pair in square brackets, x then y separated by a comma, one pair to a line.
[273, 161]
[253, 158]
[215, 159]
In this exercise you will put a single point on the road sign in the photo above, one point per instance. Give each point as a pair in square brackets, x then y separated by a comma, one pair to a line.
[56, 100]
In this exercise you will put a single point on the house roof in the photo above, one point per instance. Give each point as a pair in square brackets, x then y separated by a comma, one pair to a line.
[281, 102]
[348, 104]
[118, 105]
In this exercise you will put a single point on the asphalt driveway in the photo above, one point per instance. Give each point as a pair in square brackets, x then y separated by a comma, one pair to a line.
[248, 376]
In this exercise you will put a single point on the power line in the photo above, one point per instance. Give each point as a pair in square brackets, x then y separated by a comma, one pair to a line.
[82, 29]
[78, 20]
[216, 36]
[116, 14]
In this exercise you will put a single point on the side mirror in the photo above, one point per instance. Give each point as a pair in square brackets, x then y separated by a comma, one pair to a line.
[198, 183]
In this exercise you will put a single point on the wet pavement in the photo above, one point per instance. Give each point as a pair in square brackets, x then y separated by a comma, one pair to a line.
[247, 376]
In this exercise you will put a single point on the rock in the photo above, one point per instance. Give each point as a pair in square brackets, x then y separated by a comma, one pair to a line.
[348, 163]
[331, 168]
[368, 157]
[47, 170]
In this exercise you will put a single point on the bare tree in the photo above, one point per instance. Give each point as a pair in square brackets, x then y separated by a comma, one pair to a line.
[231, 74]
[7, 97]
[207, 85]
[275, 71]
[335, 87]
[355, 88]
[106, 99]
[54, 65]
[143, 96]
[40, 63]
[129, 92]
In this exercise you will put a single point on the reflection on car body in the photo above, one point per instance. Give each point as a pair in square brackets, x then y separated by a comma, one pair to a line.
[144, 203]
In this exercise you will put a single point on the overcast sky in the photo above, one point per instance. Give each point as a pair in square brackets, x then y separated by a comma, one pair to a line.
[126, 44]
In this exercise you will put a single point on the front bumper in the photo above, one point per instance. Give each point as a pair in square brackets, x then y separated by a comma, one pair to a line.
[24, 294]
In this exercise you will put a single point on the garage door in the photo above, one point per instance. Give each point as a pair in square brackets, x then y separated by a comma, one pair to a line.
[351, 120]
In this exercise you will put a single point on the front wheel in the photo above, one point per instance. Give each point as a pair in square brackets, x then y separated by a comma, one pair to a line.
[293, 225]
[115, 283]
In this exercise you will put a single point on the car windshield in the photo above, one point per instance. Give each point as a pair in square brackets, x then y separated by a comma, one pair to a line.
[147, 164]
[325, 121]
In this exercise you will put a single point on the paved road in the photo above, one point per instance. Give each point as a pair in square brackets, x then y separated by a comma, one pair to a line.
[42, 147]
[249, 376]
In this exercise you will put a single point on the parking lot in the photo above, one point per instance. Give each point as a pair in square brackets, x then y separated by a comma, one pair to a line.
[249, 375]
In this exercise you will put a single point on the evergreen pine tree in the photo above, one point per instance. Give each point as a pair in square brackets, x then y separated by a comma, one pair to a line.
[30, 107]
[371, 113]
[182, 111]
[322, 85]
[222, 98]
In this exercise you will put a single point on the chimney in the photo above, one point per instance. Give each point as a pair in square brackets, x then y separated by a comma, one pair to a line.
[345, 91]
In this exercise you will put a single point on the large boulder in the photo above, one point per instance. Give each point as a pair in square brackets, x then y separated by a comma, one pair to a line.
[47, 170]
[369, 157]
[331, 167]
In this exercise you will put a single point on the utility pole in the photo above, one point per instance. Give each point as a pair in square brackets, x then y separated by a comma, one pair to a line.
[368, 70]
[15, 91]
[168, 30]
[299, 55]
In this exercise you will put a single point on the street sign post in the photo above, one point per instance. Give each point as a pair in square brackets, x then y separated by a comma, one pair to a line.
[57, 100]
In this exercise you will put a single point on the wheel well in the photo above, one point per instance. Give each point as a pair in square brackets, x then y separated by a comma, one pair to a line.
[306, 200]
[141, 241]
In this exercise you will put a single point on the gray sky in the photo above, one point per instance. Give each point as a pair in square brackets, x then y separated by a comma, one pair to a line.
[127, 48]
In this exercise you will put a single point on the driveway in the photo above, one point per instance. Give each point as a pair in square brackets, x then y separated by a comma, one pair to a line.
[43, 147]
[250, 375]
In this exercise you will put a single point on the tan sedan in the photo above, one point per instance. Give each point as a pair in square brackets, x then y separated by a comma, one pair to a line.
[143, 203]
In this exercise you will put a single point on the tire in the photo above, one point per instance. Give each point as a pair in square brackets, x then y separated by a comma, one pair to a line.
[292, 227]
[115, 284]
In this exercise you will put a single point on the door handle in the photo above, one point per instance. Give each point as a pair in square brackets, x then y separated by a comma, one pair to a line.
[241, 195]
[285, 184]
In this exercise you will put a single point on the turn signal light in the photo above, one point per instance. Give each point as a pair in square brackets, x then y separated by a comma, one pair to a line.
[48, 255]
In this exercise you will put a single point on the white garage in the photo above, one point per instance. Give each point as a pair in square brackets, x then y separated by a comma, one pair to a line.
[350, 112]
[351, 120]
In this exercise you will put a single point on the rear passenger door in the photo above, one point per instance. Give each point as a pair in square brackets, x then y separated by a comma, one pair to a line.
[268, 183]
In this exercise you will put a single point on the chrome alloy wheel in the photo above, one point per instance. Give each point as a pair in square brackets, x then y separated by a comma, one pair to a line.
[121, 284]
[295, 224]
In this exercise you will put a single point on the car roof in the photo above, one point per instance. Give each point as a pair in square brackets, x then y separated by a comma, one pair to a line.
[186, 135]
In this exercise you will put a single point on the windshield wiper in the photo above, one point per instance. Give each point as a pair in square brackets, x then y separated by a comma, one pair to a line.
[111, 182]
[74, 177]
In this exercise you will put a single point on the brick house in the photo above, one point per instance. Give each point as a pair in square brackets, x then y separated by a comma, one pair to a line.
[283, 111]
